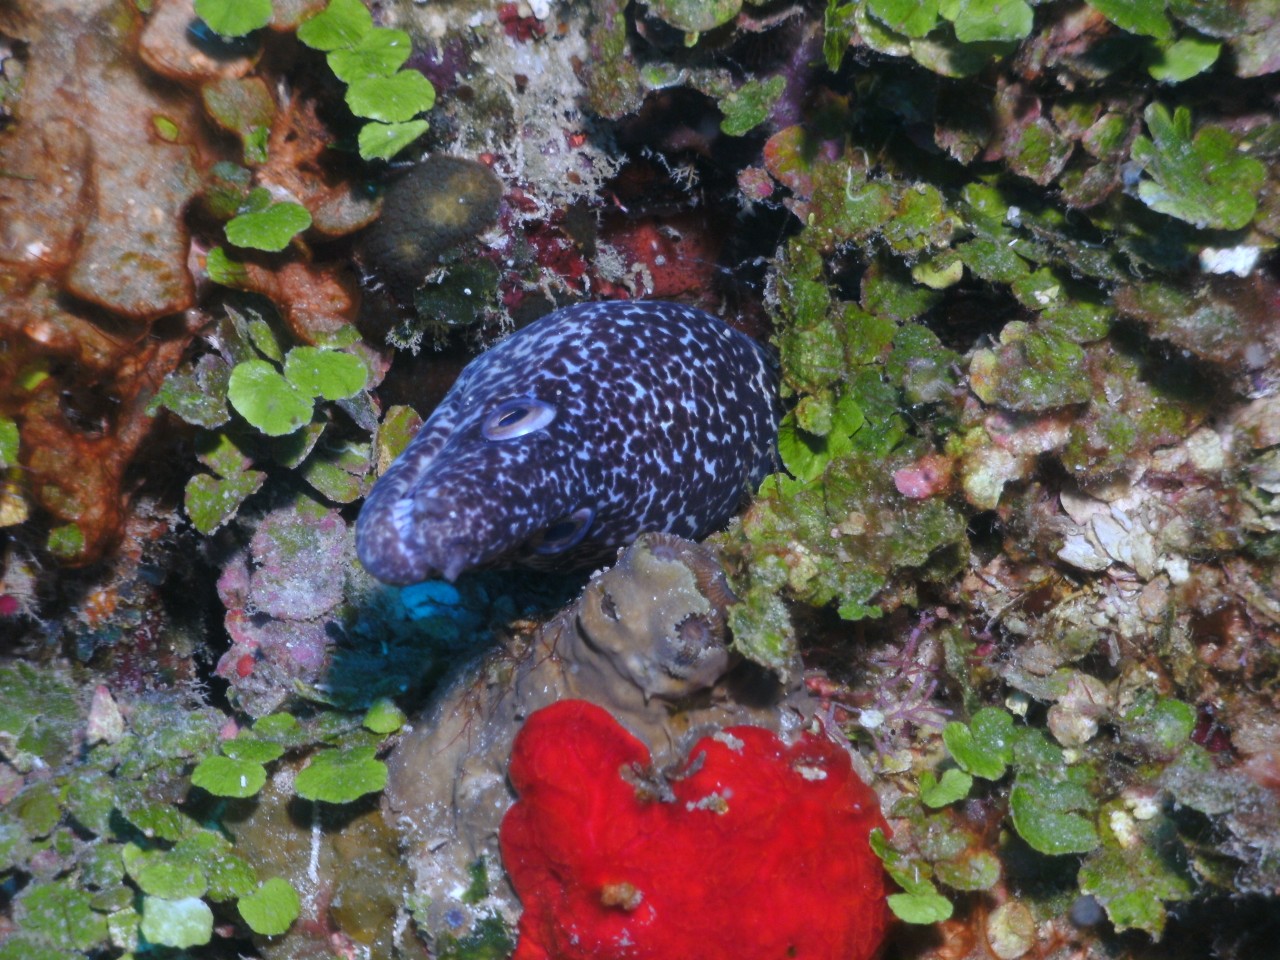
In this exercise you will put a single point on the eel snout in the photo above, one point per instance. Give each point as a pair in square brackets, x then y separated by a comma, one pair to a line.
[412, 538]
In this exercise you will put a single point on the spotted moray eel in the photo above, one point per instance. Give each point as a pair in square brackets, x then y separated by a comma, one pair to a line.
[568, 439]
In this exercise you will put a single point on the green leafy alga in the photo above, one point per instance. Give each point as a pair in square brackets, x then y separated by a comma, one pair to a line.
[984, 21]
[222, 269]
[61, 914]
[342, 24]
[379, 53]
[368, 59]
[234, 18]
[1204, 180]
[1140, 867]
[229, 777]
[271, 910]
[382, 141]
[748, 106]
[343, 775]
[330, 374]
[187, 922]
[919, 902]
[384, 716]
[265, 225]
[695, 16]
[984, 746]
[953, 786]
[279, 403]
[264, 397]
[1184, 59]
[1146, 17]
[394, 99]
[911, 18]
[211, 500]
[9, 439]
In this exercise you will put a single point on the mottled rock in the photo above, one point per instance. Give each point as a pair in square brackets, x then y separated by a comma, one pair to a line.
[168, 47]
[119, 203]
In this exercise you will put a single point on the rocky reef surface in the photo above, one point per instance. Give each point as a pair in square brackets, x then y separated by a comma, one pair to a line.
[1017, 262]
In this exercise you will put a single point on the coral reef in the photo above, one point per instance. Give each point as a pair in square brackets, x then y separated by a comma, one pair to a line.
[1019, 264]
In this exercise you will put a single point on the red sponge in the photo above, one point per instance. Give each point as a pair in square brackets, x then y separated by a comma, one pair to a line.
[756, 851]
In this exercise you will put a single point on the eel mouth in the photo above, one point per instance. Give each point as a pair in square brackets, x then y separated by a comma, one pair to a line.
[407, 540]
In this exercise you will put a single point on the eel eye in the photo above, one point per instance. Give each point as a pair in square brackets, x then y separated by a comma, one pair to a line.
[565, 533]
[517, 417]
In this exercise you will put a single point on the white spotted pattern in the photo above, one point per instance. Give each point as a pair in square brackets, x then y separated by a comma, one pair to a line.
[665, 418]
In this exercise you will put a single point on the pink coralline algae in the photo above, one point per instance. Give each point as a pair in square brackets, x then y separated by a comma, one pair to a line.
[755, 850]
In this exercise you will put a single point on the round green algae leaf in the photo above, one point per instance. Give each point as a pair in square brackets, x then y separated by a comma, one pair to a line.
[911, 18]
[380, 53]
[983, 21]
[804, 454]
[384, 716]
[340, 776]
[924, 907]
[172, 878]
[1184, 59]
[177, 923]
[169, 874]
[211, 501]
[382, 141]
[272, 908]
[978, 871]
[953, 786]
[1039, 817]
[37, 808]
[984, 747]
[695, 16]
[263, 396]
[330, 374]
[223, 270]
[252, 749]
[282, 728]
[1145, 17]
[228, 777]
[749, 106]
[939, 273]
[340, 25]
[394, 99]
[61, 914]
[234, 18]
[228, 874]
[271, 229]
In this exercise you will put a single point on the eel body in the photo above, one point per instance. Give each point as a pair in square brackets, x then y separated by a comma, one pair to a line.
[565, 441]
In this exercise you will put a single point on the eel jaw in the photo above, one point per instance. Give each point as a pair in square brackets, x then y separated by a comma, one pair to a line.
[381, 546]
[414, 538]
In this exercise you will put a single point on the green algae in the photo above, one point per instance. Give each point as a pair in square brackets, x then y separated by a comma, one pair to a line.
[40, 715]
